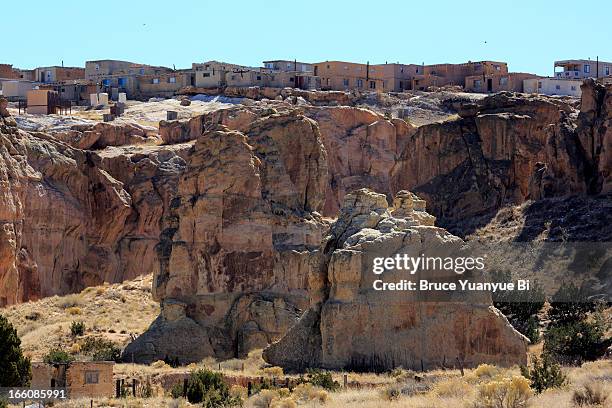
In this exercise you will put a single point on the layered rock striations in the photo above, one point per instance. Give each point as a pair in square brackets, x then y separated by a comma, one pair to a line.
[355, 327]
[233, 268]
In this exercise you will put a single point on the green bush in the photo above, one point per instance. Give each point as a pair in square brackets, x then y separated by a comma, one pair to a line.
[177, 390]
[77, 328]
[15, 369]
[570, 303]
[101, 349]
[544, 373]
[207, 387]
[576, 342]
[322, 379]
[57, 355]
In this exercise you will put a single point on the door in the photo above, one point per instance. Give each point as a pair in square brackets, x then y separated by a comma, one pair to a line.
[490, 85]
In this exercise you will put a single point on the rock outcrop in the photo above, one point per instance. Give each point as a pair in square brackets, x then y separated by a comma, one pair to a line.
[233, 270]
[354, 327]
[70, 222]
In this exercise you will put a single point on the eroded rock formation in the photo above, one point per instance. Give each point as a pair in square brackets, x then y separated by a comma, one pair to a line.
[356, 327]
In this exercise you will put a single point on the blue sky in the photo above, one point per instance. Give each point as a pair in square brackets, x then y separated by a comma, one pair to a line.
[529, 35]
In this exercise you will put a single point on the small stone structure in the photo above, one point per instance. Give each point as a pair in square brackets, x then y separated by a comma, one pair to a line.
[81, 379]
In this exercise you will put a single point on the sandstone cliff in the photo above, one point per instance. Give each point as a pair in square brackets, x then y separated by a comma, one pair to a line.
[355, 327]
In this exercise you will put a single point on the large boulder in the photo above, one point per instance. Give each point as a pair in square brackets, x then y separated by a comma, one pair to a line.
[355, 327]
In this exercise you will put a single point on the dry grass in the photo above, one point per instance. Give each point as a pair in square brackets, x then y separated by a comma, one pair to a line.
[110, 311]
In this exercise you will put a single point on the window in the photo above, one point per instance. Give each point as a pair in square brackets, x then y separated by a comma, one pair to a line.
[206, 74]
[477, 83]
[372, 85]
[97, 67]
[360, 83]
[539, 84]
[121, 81]
[573, 87]
[141, 71]
[288, 65]
[328, 66]
[172, 80]
[503, 81]
[558, 87]
[607, 71]
[587, 68]
[155, 80]
[92, 377]
[106, 82]
[259, 77]
[558, 74]
[345, 82]
[417, 70]
[497, 67]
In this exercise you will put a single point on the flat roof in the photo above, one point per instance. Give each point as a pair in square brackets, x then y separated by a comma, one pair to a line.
[580, 61]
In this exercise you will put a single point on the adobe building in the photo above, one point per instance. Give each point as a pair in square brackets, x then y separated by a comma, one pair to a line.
[340, 76]
[553, 86]
[581, 69]
[497, 82]
[164, 85]
[214, 74]
[288, 66]
[81, 379]
[439, 75]
[8, 72]
[16, 89]
[58, 74]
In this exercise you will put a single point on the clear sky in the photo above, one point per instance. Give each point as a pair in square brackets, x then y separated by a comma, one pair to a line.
[529, 35]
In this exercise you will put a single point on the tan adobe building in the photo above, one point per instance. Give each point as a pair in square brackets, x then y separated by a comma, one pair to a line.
[340, 75]
[213, 74]
[8, 72]
[114, 77]
[164, 84]
[15, 89]
[58, 74]
[580, 69]
[553, 86]
[81, 379]
[288, 66]
[454, 74]
[497, 82]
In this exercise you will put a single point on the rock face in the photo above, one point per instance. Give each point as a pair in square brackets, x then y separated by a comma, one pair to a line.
[69, 222]
[231, 268]
[354, 327]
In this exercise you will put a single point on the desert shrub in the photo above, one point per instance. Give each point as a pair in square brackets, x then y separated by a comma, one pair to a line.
[57, 355]
[144, 390]
[264, 398]
[576, 342]
[101, 349]
[177, 390]
[239, 391]
[207, 387]
[400, 374]
[544, 373]
[273, 371]
[159, 364]
[15, 369]
[570, 304]
[391, 392]
[504, 393]
[322, 379]
[69, 301]
[3, 402]
[589, 395]
[452, 388]
[77, 328]
[284, 403]
[74, 310]
[75, 348]
[486, 370]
